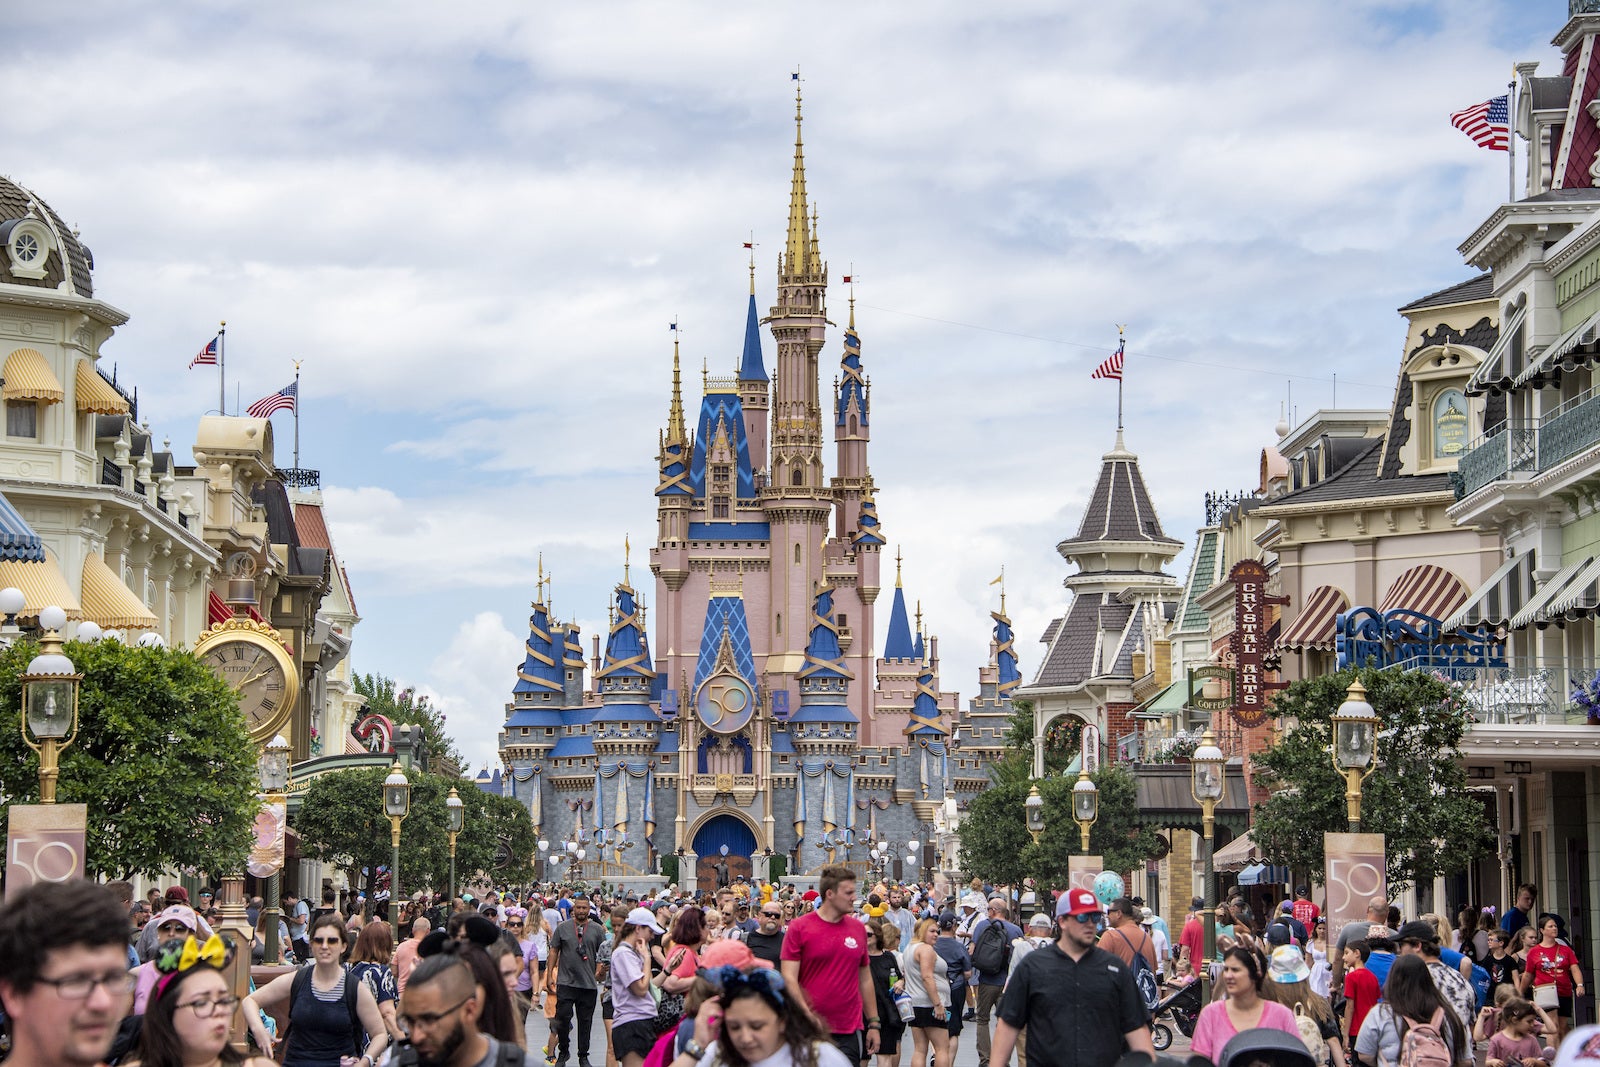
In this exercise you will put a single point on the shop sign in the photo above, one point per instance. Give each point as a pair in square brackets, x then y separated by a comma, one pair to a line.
[1251, 690]
[1365, 636]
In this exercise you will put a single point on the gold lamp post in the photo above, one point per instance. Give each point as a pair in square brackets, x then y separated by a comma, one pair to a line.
[273, 770]
[458, 819]
[1355, 747]
[1206, 768]
[50, 696]
[1085, 804]
[396, 804]
[1033, 807]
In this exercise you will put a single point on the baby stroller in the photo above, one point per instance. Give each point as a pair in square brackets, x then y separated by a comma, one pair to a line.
[1182, 1008]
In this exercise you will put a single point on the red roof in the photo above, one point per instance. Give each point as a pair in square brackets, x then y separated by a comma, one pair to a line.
[309, 525]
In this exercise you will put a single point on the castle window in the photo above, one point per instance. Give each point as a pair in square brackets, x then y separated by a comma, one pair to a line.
[778, 626]
[797, 476]
[797, 552]
[844, 620]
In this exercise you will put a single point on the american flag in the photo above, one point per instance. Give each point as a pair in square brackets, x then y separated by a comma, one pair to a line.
[1112, 367]
[207, 356]
[283, 398]
[1488, 124]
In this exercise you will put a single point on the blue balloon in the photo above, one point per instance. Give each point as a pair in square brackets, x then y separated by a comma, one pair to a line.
[1108, 886]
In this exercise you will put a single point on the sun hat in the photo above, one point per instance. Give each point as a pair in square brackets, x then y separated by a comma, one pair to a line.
[1078, 902]
[646, 918]
[1147, 917]
[1288, 966]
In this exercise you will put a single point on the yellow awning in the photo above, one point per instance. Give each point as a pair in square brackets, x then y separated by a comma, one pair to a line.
[42, 585]
[110, 603]
[28, 377]
[94, 393]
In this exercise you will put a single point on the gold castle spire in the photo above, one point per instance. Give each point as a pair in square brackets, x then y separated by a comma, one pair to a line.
[797, 249]
[676, 435]
[897, 566]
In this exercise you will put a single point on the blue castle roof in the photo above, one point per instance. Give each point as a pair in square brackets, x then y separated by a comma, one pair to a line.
[852, 386]
[898, 644]
[540, 672]
[824, 657]
[625, 676]
[925, 709]
[1005, 655]
[725, 411]
[725, 613]
[868, 531]
[752, 368]
[919, 651]
[534, 716]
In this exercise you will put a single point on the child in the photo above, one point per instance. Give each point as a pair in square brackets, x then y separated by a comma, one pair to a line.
[1504, 969]
[1515, 1045]
[1361, 988]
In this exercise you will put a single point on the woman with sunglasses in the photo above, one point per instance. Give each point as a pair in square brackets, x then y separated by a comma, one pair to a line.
[321, 1033]
[754, 1020]
[189, 1018]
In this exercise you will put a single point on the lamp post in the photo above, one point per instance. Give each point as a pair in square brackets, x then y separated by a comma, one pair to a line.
[273, 770]
[396, 804]
[1033, 808]
[1206, 768]
[50, 694]
[1085, 805]
[1355, 747]
[458, 819]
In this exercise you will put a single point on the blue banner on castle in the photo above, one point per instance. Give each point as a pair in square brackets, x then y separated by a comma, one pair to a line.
[1410, 639]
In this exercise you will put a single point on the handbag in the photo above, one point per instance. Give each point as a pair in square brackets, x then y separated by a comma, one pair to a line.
[669, 1008]
[1546, 997]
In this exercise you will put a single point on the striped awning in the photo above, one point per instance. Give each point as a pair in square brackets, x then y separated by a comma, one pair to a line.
[1313, 627]
[28, 376]
[1581, 597]
[110, 603]
[1499, 598]
[1493, 375]
[1537, 609]
[1582, 335]
[94, 394]
[42, 585]
[1428, 590]
[17, 539]
[1237, 854]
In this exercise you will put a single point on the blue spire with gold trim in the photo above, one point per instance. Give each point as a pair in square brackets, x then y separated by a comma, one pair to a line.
[868, 531]
[674, 453]
[852, 385]
[540, 673]
[824, 680]
[925, 712]
[898, 644]
[752, 367]
[625, 677]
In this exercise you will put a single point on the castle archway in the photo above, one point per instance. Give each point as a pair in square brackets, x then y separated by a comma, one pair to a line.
[716, 831]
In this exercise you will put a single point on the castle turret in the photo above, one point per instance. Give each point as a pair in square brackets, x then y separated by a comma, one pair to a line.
[674, 495]
[853, 483]
[753, 382]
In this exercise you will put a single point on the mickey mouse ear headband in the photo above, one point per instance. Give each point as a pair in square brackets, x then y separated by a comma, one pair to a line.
[175, 957]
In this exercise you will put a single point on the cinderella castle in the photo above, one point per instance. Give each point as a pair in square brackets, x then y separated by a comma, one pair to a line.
[766, 734]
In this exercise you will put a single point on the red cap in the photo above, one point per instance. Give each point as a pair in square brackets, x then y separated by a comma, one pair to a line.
[809, 894]
[1077, 902]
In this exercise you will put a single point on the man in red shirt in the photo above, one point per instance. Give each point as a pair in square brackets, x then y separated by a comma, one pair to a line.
[1192, 941]
[1304, 910]
[825, 957]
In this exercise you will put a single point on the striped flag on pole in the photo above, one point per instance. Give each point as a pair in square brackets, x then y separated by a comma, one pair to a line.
[1112, 367]
[283, 398]
[1488, 123]
[207, 356]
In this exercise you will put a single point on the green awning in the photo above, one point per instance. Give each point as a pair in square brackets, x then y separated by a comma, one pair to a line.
[1170, 700]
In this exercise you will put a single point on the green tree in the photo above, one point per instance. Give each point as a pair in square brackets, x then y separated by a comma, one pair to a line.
[1063, 738]
[1416, 797]
[406, 707]
[163, 758]
[341, 821]
[996, 845]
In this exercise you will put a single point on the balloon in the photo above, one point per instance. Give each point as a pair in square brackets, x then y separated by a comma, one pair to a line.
[1108, 886]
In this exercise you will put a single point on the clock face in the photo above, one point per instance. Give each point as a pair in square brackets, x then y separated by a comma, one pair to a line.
[257, 676]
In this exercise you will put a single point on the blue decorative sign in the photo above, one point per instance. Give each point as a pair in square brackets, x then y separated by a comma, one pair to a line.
[669, 703]
[1409, 638]
[780, 704]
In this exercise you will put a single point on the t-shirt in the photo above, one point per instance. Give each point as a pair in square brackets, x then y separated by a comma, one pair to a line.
[1552, 965]
[1306, 912]
[1076, 1011]
[1456, 990]
[1214, 1029]
[1502, 971]
[1513, 920]
[1379, 963]
[627, 967]
[578, 952]
[831, 956]
[767, 947]
[827, 1056]
[1514, 1049]
[1361, 989]
[1193, 938]
[958, 964]
[1013, 931]
[1123, 941]
[298, 916]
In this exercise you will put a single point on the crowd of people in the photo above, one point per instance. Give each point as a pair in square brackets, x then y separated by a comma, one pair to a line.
[756, 975]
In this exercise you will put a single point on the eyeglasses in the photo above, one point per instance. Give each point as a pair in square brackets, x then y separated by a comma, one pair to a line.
[411, 1022]
[1088, 918]
[327, 940]
[205, 1009]
[79, 986]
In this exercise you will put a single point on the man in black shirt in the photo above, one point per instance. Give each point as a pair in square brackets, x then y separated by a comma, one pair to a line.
[766, 943]
[1078, 1002]
[575, 959]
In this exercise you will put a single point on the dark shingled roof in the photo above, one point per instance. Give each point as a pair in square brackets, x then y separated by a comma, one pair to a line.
[1555, 196]
[1480, 335]
[1360, 478]
[1071, 658]
[1120, 508]
[15, 203]
[1479, 288]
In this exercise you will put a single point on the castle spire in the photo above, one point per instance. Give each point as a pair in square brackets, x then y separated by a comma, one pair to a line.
[898, 644]
[675, 431]
[673, 457]
[797, 247]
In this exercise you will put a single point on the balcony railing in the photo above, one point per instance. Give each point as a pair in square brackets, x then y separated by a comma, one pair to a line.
[1560, 435]
[110, 473]
[1527, 693]
[301, 478]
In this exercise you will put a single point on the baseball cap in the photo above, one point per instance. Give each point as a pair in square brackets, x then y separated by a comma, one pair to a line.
[1197, 902]
[1279, 934]
[1040, 921]
[1078, 902]
[809, 894]
[1580, 1049]
[1286, 907]
[646, 918]
[177, 913]
[948, 921]
[1417, 930]
[1288, 966]
[726, 953]
[179, 895]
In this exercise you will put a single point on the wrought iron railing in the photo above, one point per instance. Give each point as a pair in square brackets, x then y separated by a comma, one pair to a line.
[301, 478]
[110, 473]
[1560, 435]
[1549, 692]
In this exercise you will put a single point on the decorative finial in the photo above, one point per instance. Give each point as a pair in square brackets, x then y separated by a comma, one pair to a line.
[676, 434]
[751, 246]
[627, 554]
[919, 615]
[897, 566]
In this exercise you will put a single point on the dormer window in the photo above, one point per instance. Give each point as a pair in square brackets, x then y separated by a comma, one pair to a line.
[28, 244]
[1450, 424]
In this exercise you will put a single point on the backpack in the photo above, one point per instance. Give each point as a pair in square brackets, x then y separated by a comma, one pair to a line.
[352, 993]
[1423, 1044]
[992, 951]
[1144, 976]
[1311, 1034]
[1480, 985]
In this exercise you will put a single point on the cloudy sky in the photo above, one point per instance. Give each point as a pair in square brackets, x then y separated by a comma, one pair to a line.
[473, 223]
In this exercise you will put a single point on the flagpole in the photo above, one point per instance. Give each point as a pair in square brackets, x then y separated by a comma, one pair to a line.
[222, 367]
[1511, 136]
[1121, 372]
[297, 415]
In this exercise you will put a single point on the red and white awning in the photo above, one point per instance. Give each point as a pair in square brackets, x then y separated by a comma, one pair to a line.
[1427, 590]
[1312, 629]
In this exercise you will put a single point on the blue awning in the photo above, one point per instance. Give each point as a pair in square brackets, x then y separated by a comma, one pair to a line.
[18, 542]
[1264, 874]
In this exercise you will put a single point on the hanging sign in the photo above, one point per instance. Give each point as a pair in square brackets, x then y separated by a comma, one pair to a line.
[1251, 690]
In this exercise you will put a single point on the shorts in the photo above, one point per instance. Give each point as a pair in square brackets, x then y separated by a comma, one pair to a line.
[605, 1008]
[889, 1038]
[851, 1045]
[636, 1038]
[924, 1019]
[1564, 1006]
[955, 1017]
